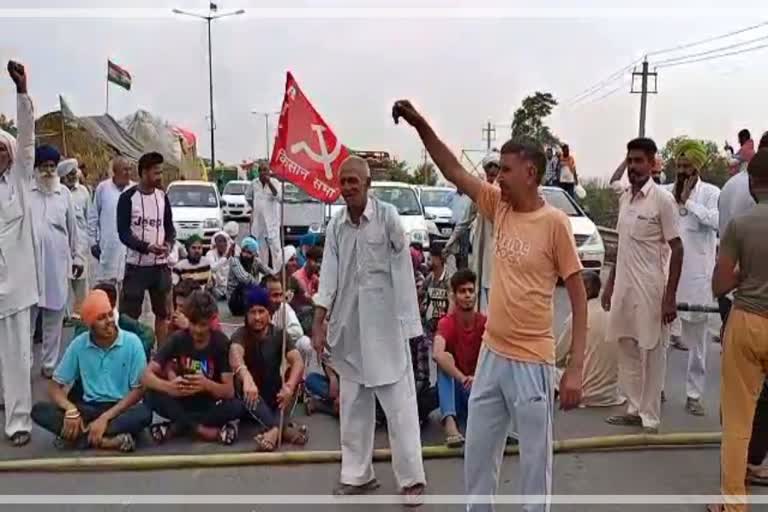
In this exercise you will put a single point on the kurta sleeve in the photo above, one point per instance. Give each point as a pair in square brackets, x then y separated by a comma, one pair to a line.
[706, 212]
[94, 213]
[78, 258]
[329, 271]
[25, 141]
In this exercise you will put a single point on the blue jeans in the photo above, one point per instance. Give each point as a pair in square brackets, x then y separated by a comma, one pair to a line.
[318, 387]
[454, 399]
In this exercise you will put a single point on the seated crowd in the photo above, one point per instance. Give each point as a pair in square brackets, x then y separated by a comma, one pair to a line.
[202, 383]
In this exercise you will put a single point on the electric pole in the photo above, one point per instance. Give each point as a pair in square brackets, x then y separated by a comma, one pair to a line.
[644, 92]
[489, 134]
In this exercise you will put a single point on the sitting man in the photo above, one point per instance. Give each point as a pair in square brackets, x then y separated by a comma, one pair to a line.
[219, 255]
[322, 386]
[107, 363]
[456, 348]
[181, 293]
[306, 242]
[243, 273]
[293, 327]
[124, 322]
[256, 354]
[189, 381]
[308, 276]
[194, 266]
[601, 357]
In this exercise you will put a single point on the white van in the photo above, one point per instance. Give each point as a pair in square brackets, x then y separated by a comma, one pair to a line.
[196, 208]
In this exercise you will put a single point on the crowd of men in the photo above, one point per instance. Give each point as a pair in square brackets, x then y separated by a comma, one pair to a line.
[357, 318]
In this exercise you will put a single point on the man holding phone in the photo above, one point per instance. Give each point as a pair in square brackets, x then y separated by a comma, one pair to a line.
[264, 196]
[145, 227]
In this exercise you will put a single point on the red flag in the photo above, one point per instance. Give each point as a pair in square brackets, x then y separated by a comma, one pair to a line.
[306, 152]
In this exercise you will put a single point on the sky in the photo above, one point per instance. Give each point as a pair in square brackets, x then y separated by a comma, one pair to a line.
[461, 68]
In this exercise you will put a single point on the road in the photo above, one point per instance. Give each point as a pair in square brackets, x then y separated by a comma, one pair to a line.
[665, 472]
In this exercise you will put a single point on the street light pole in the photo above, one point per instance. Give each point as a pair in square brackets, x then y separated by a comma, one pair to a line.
[213, 14]
[266, 127]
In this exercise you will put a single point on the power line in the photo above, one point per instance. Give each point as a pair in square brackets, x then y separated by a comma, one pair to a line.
[707, 40]
[606, 95]
[711, 57]
[601, 84]
[709, 52]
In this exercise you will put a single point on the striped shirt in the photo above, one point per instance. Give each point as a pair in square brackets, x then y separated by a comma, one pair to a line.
[144, 220]
[199, 272]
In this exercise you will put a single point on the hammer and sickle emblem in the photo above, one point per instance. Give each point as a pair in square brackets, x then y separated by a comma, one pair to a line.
[324, 157]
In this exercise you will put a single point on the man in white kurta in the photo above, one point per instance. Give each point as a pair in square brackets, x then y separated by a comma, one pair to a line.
[18, 287]
[368, 293]
[698, 221]
[264, 195]
[56, 252]
[81, 202]
[102, 225]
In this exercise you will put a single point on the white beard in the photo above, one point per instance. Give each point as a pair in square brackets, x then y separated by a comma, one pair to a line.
[48, 185]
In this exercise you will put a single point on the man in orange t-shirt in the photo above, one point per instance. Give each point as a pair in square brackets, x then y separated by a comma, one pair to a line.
[515, 370]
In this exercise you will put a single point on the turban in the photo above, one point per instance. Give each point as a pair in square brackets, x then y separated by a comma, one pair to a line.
[289, 252]
[257, 296]
[9, 141]
[232, 229]
[250, 244]
[192, 239]
[46, 153]
[221, 234]
[66, 167]
[308, 239]
[95, 304]
[693, 151]
[491, 159]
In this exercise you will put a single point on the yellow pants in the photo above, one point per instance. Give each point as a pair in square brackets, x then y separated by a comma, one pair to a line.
[744, 367]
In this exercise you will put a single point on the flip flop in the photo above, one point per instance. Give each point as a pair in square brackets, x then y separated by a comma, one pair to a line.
[454, 441]
[160, 432]
[301, 435]
[356, 490]
[414, 496]
[228, 434]
[20, 439]
[263, 444]
[624, 420]
[127, 443]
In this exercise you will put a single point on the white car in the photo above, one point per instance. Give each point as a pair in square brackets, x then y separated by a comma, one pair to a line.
[405, 198]
[196, 208]
[233, 203]
[588, 240]
[437, 205]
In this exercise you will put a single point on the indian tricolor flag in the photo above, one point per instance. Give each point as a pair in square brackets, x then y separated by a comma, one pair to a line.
[118, 75]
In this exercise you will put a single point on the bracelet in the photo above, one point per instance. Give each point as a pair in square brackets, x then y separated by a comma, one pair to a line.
[71, 414]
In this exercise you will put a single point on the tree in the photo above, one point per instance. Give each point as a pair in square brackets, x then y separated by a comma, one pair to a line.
[528, 121]
[397, 170]
[8, 125]
[425, 174]
[715, 171]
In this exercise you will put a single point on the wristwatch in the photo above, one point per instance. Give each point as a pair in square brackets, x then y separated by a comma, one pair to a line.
[683, 211]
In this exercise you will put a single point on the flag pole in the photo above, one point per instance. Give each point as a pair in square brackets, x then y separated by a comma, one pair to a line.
[284, 312]
[63, 134]
[107, 107]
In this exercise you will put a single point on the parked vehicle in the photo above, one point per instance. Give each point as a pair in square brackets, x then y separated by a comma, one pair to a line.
[233, 203]
[437, 203]
[588, 240]
[196, 208]
[302, 214]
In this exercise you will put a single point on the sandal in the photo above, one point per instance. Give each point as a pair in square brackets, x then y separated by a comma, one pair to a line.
[624, 420]
[20, 439]
[454, 441]
[413, 496]
[356, 490]
[160, 432]
[299, 435]
[263, 444]
[127, 443]
[228, 434]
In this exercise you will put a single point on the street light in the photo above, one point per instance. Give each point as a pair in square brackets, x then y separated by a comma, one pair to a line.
[266, 126]
[213, 14]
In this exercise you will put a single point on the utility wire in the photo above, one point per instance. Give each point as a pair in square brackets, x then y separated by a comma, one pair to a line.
[711, 57]
[709, 52]
[707, 40]
[601, 84]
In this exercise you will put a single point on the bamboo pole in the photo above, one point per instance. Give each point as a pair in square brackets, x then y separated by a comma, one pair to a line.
[157, 462]
[284, 307]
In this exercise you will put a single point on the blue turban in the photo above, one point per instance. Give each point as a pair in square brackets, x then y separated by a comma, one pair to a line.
[308, 239]
[46, 153]
[249, 243]
[257, 296]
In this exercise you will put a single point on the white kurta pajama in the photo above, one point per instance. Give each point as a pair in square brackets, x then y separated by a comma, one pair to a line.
[698, 220]
[102, 231]
[18, 286]
[366, 284]
[81, 201]
[56, 250]
[265, 220]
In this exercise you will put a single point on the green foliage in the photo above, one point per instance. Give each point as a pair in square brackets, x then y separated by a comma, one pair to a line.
[425, 174]
[528, 121]
[7, 124]
[397, 170]
[715, 171]
[601, 203]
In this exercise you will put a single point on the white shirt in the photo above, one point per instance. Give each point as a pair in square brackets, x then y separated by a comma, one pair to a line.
[102, 231]
[219, 270]
[265, 216]
[293, 329]
[367, 287]
[81, 202]
[18, 285]
[735, 200]
[698, 222]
